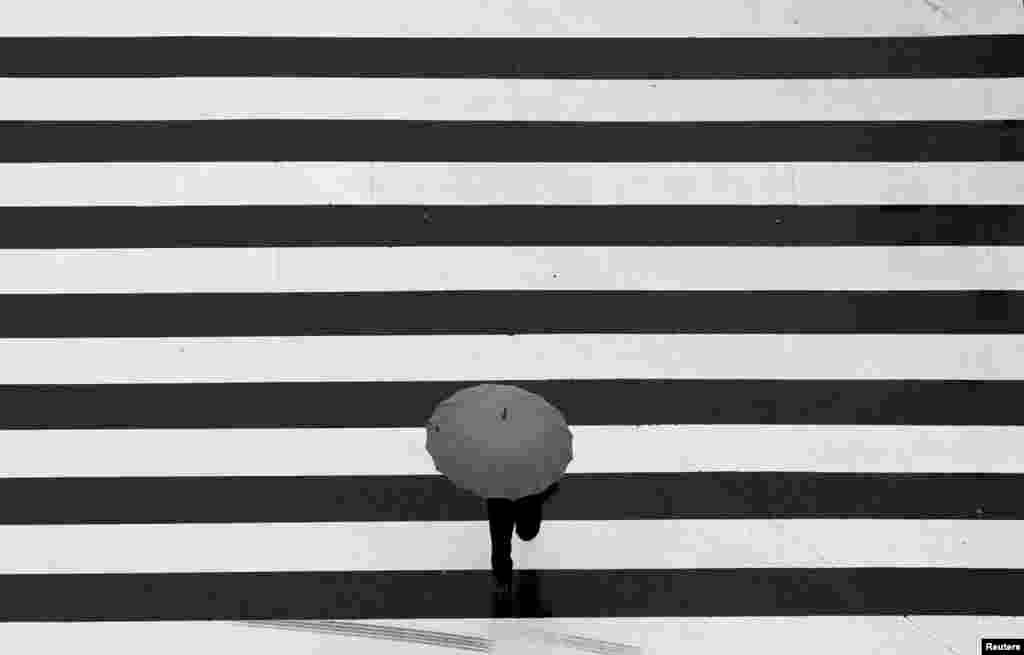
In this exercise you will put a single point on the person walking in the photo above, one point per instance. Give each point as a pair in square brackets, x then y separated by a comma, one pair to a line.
[511, 447]
[502, 514]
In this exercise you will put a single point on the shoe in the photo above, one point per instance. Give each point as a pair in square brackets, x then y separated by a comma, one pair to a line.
[503, 579]
[528, 529]
[528, 526]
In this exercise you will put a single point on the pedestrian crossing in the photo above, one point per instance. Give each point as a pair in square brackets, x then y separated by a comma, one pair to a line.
[587, 272]
[536, 357]
[763, 257]
[664, 448]
[543, 18]
[507, 99]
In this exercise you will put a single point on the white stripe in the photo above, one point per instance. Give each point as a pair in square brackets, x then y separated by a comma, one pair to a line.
[596, 449]
[682, 183]
[532, 357]
[536, 100]
[429, 268]
[511, 18]
[465, 545]
[659, 635]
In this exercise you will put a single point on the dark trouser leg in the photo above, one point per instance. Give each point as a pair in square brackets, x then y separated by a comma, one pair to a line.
[528, 512]
[501, 518]
[528, 516]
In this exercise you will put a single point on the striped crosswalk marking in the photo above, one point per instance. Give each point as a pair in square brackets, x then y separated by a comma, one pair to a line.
[765, 258]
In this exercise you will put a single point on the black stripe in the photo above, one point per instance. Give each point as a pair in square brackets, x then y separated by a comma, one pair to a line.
[537, 57]
[511, 141]
[510, 225]
[511, 312]
[469, 594]
[582, 497]
[584, 402]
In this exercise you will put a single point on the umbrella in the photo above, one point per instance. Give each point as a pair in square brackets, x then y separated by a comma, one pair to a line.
[499, 441]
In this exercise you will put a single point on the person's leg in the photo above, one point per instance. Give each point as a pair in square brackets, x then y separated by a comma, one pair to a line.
[500, 518]
[528, 513]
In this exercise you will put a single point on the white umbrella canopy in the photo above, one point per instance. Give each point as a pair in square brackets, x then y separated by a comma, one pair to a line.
[499, 441]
